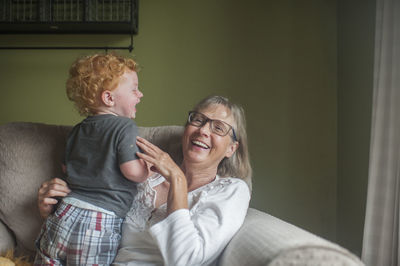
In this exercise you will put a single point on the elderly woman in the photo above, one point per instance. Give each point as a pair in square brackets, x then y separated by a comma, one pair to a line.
[187, 214]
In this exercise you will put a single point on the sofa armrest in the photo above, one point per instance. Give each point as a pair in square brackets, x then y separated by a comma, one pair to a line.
[267, 240]
[7, 240]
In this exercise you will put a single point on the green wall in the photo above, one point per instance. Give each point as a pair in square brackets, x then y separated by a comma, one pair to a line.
[356, 30]
[276, 58]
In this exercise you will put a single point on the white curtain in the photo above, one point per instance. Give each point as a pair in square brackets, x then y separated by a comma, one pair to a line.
[381, 232]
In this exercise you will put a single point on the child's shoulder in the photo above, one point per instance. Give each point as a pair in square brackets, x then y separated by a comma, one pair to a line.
[110, 118]
[123, 124]
[124, 120]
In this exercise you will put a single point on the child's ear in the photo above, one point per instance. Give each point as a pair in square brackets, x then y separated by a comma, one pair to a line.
[107, 98]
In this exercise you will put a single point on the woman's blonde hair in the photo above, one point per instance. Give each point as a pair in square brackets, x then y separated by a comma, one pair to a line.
[89, 76]
[238, 165]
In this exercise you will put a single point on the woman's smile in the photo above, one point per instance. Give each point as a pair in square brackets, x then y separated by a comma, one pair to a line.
[200, 144]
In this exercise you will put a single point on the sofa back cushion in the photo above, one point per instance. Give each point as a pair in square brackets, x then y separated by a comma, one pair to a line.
[31, 153]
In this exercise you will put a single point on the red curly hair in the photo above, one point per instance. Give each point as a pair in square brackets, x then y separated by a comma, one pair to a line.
[89, 76]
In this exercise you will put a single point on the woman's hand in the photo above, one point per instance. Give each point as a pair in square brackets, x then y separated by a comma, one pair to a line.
[47, 191]
[163, 164]
[159, 160]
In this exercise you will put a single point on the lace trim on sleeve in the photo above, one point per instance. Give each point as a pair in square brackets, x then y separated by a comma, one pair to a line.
[144, 202]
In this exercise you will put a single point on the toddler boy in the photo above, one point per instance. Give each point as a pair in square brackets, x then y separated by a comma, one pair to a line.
[101, 165]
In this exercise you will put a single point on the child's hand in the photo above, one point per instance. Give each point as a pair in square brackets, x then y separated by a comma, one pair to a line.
[149, 167]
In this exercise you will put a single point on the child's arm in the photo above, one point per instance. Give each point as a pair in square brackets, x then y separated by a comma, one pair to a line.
[135, 170]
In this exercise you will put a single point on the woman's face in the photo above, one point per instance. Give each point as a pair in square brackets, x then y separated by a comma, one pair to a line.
[203, 147]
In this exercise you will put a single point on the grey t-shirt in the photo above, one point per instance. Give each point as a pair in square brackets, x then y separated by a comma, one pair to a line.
[95, 149]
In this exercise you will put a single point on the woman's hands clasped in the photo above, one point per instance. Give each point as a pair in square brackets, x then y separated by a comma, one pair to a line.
[47, 193]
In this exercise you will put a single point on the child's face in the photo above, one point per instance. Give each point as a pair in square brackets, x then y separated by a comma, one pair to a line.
[126, 95]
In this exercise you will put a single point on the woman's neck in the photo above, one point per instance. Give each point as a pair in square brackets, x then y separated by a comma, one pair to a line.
[197, 177]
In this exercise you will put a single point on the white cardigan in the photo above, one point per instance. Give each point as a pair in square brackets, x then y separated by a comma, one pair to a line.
[186, 237]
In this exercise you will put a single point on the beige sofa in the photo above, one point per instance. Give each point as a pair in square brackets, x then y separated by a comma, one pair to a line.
[31, 153]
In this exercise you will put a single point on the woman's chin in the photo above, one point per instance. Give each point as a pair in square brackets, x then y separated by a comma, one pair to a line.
[196, 155]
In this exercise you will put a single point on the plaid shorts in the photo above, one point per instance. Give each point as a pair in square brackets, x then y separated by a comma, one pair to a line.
[75, 236]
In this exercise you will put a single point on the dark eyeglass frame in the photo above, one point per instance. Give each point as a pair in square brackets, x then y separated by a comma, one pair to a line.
[206, 119]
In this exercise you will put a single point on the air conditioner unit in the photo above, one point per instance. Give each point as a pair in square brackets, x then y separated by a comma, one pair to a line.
[69, 16]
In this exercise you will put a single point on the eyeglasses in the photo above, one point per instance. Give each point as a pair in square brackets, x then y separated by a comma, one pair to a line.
[218, 127]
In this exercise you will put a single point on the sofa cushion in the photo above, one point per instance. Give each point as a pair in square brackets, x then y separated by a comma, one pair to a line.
[31, 153]
[6, 239]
